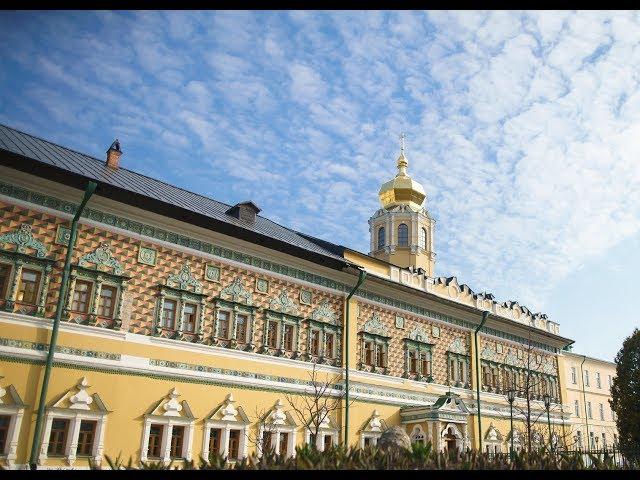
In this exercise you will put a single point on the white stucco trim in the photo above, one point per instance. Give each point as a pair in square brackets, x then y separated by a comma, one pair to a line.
[11, 445]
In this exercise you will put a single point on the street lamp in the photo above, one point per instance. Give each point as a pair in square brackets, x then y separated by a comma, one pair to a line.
[547, 404]
[511, 396]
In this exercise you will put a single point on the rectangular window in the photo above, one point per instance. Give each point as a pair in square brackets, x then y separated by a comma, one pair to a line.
[312, 439]
[266, 441]
[494, 377]
[5, 420]
[58, 436]
[155, 441]
[29, 285]
[598, 384]
[601, 411]
[177, 437]
[315, 342]
[107, 300]
[381, 355]
[241, 328]
[589, 414]
[586, 378]
[328, 345]
[169, 314]
[592, 440]
[272, 334]
[189, 317]
[574, 378]
[486, 375]
[576, 405]
[413, 361]
[214, 440]
[288, 337]
[367, 442]
[223, 325]
[234, 444]
[368, 353]
[328, 442]
[425, 363]
[604, 440]
[81, 296]
[610, 381]
[86, 436]
[579, 438]
[5, 271]
[284, 443]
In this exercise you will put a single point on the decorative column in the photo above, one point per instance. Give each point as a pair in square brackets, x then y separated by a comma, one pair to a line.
[158, 328]
[42, 301]
[93, 314]
[145, 441]
[72, 286]
[181, 316]
[224, 441]
[166, 457]
[74, 431]
[44, 447]
[251, 319]
[188, 438]
[117, 321]
[98, 450]
[200, 329]
[13, 292]
[14, 426]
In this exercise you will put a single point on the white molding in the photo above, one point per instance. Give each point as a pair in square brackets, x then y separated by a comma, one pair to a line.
[11, 442]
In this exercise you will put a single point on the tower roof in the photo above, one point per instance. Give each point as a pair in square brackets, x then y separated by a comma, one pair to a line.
[402, 189]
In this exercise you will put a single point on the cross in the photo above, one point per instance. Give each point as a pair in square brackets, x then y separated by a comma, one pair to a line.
[402, 142]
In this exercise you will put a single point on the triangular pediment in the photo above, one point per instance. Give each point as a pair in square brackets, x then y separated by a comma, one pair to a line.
[78, 398]
[228, 411]
[171, 406]
[9, 397]
[278, 416]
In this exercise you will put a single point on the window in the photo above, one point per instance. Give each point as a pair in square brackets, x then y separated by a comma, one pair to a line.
[86, 436]
[589, 414]
[592, 440]
[272, 334]
[576, 405]
[579, 438]
[223, 325]
[234, 444]
[283, 444]
[604, 440]
[58, 437]
[28, 288]
[81, 296]
[601, 411]
[368, 353]
[381, 355]
[598, 384]
[5, 271]
[457, 371]
[214, 440]
[266, 441]
[312, 439]
[155, 441]
[586, 378]
[315, 342]
[328, 441]
[106, 302]
[288, 337]
[381, 239]
[169, 314]
[574, 380]
[403, 235]
[5, 420]
[413, 362]
[189, 317]
[177, 437]
[242, 322]
[425, 363]
[422, 239]
[329, 345]
[610, 381]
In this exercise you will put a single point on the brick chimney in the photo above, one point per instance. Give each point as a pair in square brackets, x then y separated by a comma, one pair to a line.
[113, 154]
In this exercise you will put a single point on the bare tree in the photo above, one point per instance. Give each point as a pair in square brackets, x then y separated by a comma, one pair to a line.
[315, 408]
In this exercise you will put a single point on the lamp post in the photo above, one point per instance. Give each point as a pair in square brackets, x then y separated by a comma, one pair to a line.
[511, 396]
[547, 404]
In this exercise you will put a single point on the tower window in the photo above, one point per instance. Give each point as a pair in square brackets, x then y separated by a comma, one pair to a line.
[381, 235]
[422, 239]
[403, 235]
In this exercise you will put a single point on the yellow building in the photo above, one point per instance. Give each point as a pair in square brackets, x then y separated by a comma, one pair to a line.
[589, 383]
[191, 326]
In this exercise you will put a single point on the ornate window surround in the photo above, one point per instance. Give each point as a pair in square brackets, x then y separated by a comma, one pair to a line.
[78, 410]
[180, 293]
[19, 259]
[452, 377]
[326, 428]
[15, 410]
[276, 422]
[420, 347]
[167, 413]
[101, 257]
[376, 332]
[372, 429]
[238, 301]
[323, 328]
[233, 418]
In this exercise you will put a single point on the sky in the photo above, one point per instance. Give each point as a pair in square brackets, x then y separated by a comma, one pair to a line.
[523, 127]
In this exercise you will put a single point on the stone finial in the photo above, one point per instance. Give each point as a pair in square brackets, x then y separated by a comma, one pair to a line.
[81, 400]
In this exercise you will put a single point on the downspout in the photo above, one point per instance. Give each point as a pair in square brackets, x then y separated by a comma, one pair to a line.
[485, 315]
[584, 398]
[361, 277]
[91, 187]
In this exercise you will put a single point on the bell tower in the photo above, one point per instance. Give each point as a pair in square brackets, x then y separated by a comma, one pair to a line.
[402, 229]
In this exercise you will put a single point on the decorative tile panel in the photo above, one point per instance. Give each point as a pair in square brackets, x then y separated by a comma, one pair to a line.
[63, 235]
[262, 285]
[147, 255]
[306, 297]
[211, 273]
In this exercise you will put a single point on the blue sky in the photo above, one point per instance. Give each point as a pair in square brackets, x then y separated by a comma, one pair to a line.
[522, 126]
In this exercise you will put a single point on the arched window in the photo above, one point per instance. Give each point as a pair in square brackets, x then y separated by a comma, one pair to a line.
[381, 233]
[403, 235]
[422, 240]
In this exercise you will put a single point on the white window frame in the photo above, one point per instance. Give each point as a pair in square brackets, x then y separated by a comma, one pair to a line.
[165, 445]
[322, 432]
[576, 406]
[275, 431]
[11, 445]
[75, 417]
[373, 436]
[598, 381]
[574, 377]
[226, 427]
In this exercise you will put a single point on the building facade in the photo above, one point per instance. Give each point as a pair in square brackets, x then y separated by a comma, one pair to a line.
[589, 383]
[191, 327]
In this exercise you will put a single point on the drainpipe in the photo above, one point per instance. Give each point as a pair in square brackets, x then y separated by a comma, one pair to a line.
[361, 277]
[33, 462]
[584, 397]
[485, 315]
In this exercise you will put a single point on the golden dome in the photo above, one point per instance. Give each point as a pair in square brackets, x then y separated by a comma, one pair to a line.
[402, 190]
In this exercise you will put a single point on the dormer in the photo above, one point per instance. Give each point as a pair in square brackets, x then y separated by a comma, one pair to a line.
[245, 211]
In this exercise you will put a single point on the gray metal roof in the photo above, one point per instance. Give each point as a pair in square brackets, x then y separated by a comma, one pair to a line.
[49, 153]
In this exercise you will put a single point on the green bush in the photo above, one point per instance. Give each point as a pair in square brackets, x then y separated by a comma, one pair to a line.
[420, 457]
